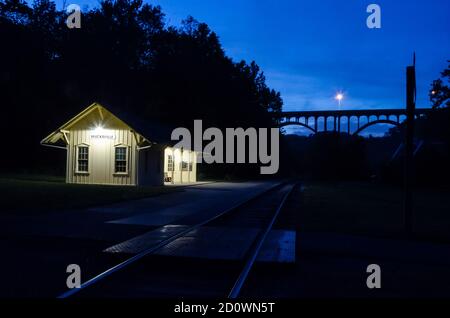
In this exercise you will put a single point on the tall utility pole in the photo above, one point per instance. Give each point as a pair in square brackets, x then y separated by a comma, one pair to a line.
[409, 145]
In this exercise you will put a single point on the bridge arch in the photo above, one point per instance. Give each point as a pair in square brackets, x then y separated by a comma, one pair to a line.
[374, 122]
[297, 123]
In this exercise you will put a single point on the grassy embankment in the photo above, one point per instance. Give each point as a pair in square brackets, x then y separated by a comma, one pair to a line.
[373, 209]
[45, 193]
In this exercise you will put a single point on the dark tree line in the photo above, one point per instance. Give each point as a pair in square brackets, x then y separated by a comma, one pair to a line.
[124, 55]
[440, 92]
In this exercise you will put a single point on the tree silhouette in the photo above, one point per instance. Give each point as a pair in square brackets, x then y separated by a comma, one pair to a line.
[127, 57]
[440, 92]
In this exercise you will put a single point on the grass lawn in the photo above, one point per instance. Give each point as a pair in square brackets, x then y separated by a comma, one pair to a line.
[373, 209]
[40, 193]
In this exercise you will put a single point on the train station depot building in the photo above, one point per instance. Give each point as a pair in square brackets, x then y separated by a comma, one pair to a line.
[103, 148]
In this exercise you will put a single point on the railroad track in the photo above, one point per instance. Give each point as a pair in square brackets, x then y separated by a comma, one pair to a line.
[148, 274]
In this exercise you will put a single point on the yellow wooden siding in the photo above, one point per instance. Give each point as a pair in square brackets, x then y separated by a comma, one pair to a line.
[102, 173]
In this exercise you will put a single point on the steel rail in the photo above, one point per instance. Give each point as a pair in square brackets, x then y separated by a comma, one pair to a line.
[234, 293]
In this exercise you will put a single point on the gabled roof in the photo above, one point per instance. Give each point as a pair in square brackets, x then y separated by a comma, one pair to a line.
[152, 130]
[147, 132]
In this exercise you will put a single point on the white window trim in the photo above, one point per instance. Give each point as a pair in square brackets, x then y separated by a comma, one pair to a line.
[127, 160]
[77, 147]
[172, 165]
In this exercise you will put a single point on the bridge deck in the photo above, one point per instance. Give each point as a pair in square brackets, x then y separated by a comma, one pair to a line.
[352, 112]
[302, 118]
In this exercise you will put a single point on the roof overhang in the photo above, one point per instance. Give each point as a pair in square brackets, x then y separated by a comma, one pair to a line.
[60, 138]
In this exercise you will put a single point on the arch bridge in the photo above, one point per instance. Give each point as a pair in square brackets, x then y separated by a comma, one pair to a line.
[310, 119]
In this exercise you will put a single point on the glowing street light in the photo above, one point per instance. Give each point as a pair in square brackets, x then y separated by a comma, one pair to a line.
[339, 97]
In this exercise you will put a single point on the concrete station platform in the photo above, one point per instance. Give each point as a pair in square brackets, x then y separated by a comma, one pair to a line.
[195, 203]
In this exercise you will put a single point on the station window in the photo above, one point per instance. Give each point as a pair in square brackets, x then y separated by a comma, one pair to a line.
[83, 159]
[184, 166]
[170, 165]
[121, 160]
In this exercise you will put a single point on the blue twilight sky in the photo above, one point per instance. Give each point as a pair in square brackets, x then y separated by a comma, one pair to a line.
[309, 50]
